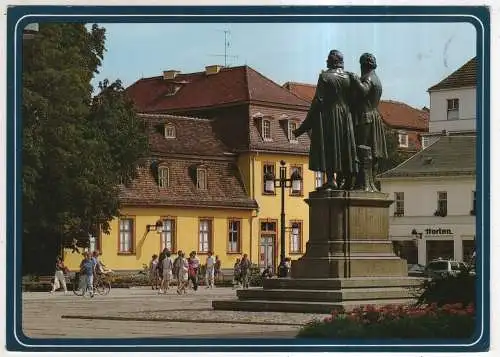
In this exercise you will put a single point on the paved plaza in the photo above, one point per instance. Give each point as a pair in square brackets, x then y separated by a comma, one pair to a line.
[141, 312]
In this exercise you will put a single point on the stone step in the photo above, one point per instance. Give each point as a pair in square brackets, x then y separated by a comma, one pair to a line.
[316, 249]
[339, 283]
[300, 306]
[326, 295]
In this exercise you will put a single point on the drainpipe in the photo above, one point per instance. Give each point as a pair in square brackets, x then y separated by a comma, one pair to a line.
[252, 195]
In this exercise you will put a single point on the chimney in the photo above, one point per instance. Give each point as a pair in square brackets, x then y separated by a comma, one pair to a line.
[170, 74]
[213, 69]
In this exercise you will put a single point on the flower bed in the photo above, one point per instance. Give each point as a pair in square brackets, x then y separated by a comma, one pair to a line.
[451, 321]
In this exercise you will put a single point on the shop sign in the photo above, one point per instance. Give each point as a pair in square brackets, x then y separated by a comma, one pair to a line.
[438, 231]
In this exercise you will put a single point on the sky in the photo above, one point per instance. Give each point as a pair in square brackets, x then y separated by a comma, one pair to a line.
[411, 57]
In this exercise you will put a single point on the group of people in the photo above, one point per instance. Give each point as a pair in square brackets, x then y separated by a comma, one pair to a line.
[163, 270]
[90, 265]
[241, 272]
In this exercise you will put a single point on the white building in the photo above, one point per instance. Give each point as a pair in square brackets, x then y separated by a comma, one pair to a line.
[433, 214]
[453, 104]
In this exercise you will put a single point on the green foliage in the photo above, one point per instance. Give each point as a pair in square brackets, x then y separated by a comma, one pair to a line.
[449, 289]
[255, 278]
[396, 322]
[71, 159]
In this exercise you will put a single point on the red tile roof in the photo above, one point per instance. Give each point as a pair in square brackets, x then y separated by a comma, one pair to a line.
[465, 76]
[396, 115]
[195, 145]
[199, 90]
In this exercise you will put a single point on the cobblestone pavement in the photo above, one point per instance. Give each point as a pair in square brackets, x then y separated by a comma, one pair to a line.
[141, 312]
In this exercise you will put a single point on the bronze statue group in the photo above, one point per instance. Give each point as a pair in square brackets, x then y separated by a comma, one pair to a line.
[345, 126]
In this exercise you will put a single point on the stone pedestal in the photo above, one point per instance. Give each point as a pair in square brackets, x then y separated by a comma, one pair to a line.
[349, 260]
[348, 237]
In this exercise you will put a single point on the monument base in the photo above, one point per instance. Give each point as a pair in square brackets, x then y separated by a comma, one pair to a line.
[349, 261]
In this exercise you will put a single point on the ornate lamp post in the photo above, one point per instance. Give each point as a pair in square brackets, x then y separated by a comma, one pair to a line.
[270, 182]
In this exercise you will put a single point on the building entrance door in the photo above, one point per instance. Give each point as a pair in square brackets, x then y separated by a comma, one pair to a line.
[266, 257]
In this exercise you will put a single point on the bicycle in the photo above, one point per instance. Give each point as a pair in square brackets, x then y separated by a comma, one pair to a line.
[102, 284]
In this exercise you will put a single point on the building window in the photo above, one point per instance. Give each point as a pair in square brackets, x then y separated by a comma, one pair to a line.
[453, 107]
[268, 168]
[403, 140]
[126, 236]
[442, 208]
[167, 236]
[296, 237]
[473, 210]
[318, 179]
[169, 131]
[201, 179]
[234, 232]
[291, 127]
[204, 242]
[93, 243]
[399, 198]
[163, 177]
[425, 142]
[296, 191]
[266, 129]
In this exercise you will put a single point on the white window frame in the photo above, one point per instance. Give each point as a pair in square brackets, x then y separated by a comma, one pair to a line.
[291, 127]
[296, 237]
[126, 232]
[399, 204]
[266, 130]
[234, 234]
[163, 177]
[201, 179]
[318, 179]
[167, 236]
[452, 109]
[204, 230]
[403, 140]
[169, 131]
[441, 199]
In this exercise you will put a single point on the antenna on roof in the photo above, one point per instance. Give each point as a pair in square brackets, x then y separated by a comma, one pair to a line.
[227, 44]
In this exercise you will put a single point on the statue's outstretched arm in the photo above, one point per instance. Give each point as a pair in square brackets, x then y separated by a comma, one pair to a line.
[361, 85]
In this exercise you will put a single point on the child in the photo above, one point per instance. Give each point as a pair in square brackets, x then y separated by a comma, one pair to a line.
[183, 275]
[167, 273]
[217, 268]
[210, 268]
[153, 272]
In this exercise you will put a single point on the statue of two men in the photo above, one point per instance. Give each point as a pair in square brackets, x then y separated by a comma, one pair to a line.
[347, 132]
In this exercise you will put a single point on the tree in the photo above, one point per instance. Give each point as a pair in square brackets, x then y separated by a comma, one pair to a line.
[396, 156]
[70, 165]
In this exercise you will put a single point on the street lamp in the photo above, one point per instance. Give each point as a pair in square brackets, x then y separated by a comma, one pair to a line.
[270, 183]
[158, 227]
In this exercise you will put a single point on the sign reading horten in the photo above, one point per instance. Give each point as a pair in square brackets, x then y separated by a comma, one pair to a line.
[438, 231]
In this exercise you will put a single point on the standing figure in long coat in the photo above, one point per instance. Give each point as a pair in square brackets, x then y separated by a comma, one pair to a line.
[333, 149]
[369, 126]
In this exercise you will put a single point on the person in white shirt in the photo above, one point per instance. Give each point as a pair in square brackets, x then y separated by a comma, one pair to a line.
[153, 272]
[167, 273]
[210, 269]
[183, 275]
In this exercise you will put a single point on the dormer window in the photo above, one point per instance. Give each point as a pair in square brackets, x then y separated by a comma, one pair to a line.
[201, 179]
[291, 127]
[169, 131]
[163, 177]
[266, 130]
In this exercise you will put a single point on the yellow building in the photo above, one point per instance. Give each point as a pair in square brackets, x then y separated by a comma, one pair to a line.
[214, 135]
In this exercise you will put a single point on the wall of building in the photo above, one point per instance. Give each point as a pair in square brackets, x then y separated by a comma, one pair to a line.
[186, 236]
[467, 110]
[452, 235]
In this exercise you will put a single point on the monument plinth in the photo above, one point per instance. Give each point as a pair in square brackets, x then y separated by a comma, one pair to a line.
[349, 260]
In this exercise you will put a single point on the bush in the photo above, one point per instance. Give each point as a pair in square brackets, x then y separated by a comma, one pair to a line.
[255, 278]
[399, 322]
[449, 289]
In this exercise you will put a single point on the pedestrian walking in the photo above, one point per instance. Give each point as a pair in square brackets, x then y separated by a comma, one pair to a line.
[193, 266]
[153, 272]
[87, 272]
[210, 271]
[237, 274]
[245, 265]
[167, 273]
[59, 279]
[183, 275]
[177, 265]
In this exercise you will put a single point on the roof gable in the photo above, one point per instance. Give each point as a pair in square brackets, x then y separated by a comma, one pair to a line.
[465, 76]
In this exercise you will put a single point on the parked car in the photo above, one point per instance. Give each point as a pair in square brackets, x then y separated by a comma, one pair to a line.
[416, 270]
[442, 267]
